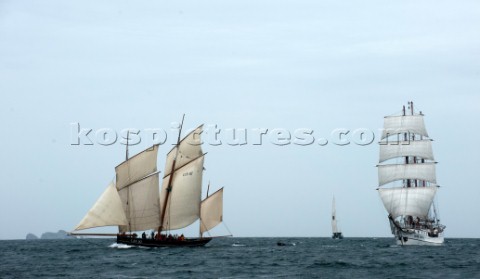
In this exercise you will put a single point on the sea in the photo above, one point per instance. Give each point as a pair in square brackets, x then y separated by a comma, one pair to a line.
[240, 258]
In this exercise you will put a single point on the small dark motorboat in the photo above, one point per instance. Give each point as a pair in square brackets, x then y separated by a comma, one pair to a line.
[281, 243]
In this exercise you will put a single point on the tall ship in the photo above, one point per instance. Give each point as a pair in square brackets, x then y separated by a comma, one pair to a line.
[336, 233]
[146, 212]
[407, 179]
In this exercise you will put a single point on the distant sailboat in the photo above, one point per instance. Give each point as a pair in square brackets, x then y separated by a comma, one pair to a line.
[135, 202]
[337, 234]
[407, 180]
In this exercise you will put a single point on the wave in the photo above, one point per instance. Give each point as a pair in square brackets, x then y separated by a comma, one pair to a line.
[120, 246]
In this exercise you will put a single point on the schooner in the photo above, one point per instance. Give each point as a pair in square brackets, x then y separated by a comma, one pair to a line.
[136, 203]
[407, 180]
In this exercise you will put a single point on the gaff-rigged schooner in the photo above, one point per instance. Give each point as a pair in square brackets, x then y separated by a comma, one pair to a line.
[336, 233]
[407, 180]
[135, 203]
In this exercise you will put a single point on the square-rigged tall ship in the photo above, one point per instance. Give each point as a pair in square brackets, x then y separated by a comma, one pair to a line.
[407, 180]
[135, 202]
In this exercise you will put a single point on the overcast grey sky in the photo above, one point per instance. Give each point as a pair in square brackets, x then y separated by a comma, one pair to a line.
[320, 65]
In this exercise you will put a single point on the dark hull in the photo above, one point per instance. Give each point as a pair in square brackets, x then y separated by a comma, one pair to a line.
[337, 235]
[148, 242]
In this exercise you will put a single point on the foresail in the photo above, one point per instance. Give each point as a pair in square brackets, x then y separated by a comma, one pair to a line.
[137, 167]
[183, 206]
[395, 125]
[413, 201]
[189, 149]
[390, 173]
[107, 211]
[141, 204]
[394, 149]
[211, 212]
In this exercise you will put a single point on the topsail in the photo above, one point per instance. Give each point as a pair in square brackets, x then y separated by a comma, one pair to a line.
[399, 125]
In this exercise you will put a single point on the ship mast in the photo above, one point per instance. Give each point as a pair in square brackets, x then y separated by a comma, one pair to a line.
[334, 217]
[169, 187]
[405, 135]
[128, 192]
[412, 111]
[126, 151]
[208, 189]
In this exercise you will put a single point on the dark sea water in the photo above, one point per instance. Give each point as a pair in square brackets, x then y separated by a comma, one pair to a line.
[240, 258]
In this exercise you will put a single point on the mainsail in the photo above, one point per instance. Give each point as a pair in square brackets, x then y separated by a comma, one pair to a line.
[183, 205]
[182, 183]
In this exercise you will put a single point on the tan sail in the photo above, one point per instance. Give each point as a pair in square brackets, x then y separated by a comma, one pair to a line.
[211, 211]
[137, 186]
[141, 204]
[107, 211]
[137, 167]
[188, 149]
[183, 206]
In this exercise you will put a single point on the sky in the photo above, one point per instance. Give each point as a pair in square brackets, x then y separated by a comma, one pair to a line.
[275, 65]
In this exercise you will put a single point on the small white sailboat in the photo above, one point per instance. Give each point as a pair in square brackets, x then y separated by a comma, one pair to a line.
[407, 180]
[336, 233]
